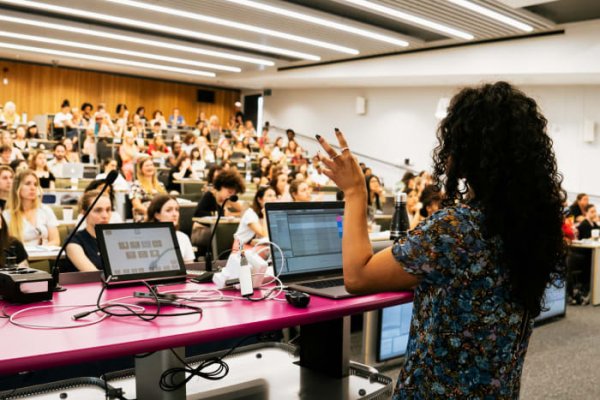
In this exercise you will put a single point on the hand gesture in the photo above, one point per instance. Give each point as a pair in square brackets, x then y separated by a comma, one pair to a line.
[342, 168]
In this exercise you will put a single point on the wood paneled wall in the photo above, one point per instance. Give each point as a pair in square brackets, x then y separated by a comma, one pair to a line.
[38, 89]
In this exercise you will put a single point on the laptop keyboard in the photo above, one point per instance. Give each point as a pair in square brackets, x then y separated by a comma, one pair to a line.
[325, 283]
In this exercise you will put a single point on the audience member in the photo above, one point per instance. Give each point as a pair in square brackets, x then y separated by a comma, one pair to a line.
[6, 140]
[83, 253]
[28, 220]
[182, 169]
[71, 154]
[21, 142]
[58, 162]
[176, 119]
[129, 152]
[158, 148]
[589, 223]
[413, 207]
[577, 209]
[431, 201]
[108, 165]
[253, 222]
[19, 165]
[300, 191]
[225, 185]
[279, 183]
[375, 194]
[144, 187]
[9, 115]
[5, 152]
[7, 175]
[39, 165]
[164, 208]
[32, 131]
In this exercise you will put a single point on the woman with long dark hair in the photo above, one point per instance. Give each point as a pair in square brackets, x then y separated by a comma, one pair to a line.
[479, 267]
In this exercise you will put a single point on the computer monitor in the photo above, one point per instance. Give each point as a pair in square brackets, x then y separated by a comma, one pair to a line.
[393, 330]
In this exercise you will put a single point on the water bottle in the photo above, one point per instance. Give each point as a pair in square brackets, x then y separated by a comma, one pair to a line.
[400, 225]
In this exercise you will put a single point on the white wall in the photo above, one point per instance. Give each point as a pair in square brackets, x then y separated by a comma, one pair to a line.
[400, 123]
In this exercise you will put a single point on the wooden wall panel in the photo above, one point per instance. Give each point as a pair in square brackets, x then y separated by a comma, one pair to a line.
[37, 89]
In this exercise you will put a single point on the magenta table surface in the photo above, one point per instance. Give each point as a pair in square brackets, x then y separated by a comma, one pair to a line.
[24, 349]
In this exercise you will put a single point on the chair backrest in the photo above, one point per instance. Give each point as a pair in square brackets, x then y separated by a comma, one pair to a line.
[58, 211]
[223, 240]
[186, 213]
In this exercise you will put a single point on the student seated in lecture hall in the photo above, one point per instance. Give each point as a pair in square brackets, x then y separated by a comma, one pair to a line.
[57, 163]
[300, 191]
[6, 180]
[39, 165]
[477, 284]
[6, 140]
[97, 185]
[82, 252]
[577, 209]
[164, 208]
[144, 187]
[253, 224]
[28, 220]
[225, 185]
[589, 223]
[21, 142]
[108, 165]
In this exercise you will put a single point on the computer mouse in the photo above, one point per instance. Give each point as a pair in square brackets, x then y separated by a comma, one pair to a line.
[297, 299]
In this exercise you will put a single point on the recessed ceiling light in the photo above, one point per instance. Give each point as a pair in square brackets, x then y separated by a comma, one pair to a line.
[235, 25]
[110, 60]
[113, 19]
[412, 19]
[118, 51]
[493, 14]
[137, 40]
[321, 21]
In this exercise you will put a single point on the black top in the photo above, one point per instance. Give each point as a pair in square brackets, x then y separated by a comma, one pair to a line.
[585, 229]
[90, 248]
[45, 181]
[207, 205]
[175, 186]
[2, 204]
[575, 211]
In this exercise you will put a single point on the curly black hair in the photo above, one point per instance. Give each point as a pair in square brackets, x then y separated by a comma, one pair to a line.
[494, 150]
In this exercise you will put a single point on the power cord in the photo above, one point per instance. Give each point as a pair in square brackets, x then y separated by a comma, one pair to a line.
[168, 380]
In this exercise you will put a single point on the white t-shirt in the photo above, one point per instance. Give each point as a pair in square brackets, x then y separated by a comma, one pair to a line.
[60, 118]
[119, 184]
[44, 219]
[56, 167]
[185, 246]
[244, 233]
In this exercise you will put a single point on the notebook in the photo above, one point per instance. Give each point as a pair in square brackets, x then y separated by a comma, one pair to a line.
[135, 252]
[310, 236]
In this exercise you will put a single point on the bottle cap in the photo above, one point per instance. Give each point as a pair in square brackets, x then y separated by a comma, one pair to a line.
[400, 198]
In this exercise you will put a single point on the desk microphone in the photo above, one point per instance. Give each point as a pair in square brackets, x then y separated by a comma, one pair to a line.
[208, 256]
[110, 178]
[400, 224]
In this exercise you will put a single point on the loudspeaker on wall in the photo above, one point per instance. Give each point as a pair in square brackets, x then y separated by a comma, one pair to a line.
[361, 105]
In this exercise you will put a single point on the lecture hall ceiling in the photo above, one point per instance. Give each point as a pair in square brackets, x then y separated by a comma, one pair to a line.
[210, 41]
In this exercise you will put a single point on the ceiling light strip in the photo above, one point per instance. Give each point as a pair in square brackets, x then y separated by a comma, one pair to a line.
[235, 25]
[413, 19]
[493, 14]
[137, 40]
[117, 51]
[321, 21]
[111, 60]
[113, 19]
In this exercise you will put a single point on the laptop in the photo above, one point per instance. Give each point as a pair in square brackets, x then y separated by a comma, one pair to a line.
[72, 170]
[140, 252]
[310, 236]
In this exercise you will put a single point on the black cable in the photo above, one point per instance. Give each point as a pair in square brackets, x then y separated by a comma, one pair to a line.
[265, 297]
[168, 382]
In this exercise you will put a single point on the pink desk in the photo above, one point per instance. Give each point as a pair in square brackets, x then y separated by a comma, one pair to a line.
[325, 326]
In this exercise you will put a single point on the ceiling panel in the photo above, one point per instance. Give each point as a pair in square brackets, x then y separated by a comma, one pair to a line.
[181, 44]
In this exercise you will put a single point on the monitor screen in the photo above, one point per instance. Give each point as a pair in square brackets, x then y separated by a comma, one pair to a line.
[309, 234]
[139, 251]
[555, 302]
[393, 331]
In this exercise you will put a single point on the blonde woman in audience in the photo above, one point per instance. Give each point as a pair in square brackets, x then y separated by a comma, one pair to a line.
[250, 131]
[214, 126]
[20, 141]
[300, 190]
[39, 164]
[122, 118]
[83, 253]
[129, 152]
[144, 188]
[253, 224]
[164, 208]
[9, 116]
[279, 183]
[28, 220]
[71, 155]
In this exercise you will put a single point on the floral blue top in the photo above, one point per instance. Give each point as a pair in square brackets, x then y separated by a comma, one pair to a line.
[468, 339]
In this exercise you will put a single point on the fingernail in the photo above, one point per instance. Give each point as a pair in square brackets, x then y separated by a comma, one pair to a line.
[318, 137]
[336, 129]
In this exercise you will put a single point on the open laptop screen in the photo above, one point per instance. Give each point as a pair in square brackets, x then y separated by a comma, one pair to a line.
[140, 251]
[310, 235]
